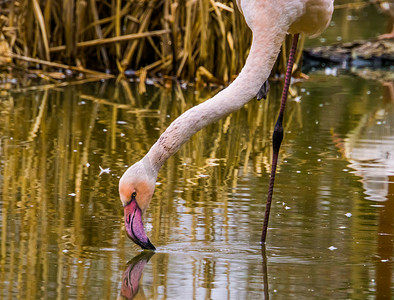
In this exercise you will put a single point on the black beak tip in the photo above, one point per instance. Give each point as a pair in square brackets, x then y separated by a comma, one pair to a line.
[148, 246]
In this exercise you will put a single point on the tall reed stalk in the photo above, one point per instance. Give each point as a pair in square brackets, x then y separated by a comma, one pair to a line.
[205, 40]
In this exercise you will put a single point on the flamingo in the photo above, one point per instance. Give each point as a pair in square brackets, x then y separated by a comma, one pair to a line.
[270, 21]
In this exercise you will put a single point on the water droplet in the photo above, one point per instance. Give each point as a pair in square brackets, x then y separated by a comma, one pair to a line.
[203, 175]
[102, 170]
[297, 99]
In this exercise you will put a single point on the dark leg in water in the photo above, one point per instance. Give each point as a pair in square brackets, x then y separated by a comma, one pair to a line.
[263, 92]
[277, 136]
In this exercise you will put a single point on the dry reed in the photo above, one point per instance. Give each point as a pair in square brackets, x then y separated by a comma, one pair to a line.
[205, 39]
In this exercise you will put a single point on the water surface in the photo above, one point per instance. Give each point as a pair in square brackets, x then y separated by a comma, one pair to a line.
[331, 230]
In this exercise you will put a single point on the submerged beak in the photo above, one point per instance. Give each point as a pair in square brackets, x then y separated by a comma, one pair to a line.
[135, 227]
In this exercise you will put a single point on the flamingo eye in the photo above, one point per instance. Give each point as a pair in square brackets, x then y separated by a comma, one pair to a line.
[133, 195]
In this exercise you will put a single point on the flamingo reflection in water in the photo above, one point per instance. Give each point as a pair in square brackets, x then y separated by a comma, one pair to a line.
[270, 21]
[132, 275]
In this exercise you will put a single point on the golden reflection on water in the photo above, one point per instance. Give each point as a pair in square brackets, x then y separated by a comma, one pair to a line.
[58, 213]
[61, 220]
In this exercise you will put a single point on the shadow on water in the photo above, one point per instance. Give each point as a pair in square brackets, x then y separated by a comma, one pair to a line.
[265, 271]
[132, 275]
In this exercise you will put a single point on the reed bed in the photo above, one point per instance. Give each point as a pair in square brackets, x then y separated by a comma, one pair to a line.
[193, 40]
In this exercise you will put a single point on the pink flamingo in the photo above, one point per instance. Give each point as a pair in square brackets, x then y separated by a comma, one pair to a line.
[270, 21]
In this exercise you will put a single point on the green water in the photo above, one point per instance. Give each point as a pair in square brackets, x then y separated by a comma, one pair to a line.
[331, 229]
[359, 22]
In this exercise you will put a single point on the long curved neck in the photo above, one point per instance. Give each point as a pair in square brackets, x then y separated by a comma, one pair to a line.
[263, 53]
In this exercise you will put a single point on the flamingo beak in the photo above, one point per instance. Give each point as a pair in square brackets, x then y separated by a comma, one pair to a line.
[135, 227]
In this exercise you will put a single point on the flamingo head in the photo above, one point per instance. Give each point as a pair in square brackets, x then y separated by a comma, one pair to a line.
[136, 188]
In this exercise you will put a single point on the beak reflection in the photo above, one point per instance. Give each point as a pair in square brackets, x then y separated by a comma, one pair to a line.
[132, 275]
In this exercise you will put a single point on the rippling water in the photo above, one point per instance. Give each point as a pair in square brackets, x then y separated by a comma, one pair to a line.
[331, 231]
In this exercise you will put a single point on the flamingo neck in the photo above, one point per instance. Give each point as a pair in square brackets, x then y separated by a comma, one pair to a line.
[263, 53]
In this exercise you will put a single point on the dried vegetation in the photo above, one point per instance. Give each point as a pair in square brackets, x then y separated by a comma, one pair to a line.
[192, 40]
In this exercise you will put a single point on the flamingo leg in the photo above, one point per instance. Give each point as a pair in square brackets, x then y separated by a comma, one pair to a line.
[277, 136]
